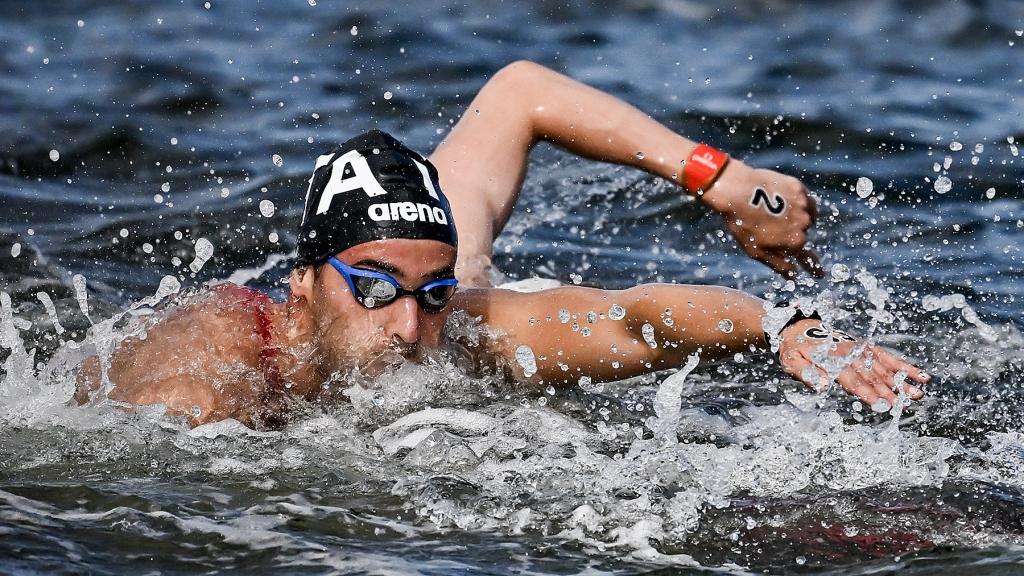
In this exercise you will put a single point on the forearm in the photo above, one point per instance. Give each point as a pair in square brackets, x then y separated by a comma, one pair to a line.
[603, 335]
[676, 320]
[599, 126]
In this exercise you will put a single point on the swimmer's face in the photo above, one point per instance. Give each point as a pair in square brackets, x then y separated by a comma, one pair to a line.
[348, 334]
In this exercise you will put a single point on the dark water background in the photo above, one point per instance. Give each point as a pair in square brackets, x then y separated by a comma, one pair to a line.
[193, 103]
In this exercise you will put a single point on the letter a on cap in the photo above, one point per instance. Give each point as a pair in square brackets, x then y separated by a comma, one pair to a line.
[361, 178]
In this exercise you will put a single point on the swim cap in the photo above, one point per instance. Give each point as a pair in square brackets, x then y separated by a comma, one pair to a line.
[371, 188]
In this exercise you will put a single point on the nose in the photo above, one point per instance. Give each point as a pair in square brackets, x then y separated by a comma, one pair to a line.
[405, 320]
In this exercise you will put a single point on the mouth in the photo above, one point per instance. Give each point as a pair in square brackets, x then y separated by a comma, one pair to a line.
[391, 359]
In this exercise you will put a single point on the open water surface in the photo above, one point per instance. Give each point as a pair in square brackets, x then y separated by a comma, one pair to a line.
[136, 136]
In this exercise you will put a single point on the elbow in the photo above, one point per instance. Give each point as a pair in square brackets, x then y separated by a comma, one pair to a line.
[519, 73]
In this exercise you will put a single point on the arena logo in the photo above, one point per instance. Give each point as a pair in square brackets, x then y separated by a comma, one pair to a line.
[360, 178]
[409, 211]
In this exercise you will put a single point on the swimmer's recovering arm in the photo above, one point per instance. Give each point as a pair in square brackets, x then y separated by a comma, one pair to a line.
[483, 161]
[573, 332]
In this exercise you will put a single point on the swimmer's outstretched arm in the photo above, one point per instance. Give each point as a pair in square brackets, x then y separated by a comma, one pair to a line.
[483, 161]
[572, 332]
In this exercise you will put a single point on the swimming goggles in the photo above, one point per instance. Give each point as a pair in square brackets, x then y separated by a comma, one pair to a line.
[376, 289]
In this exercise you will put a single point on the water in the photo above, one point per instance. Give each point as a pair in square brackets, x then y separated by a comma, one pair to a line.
[147, 148]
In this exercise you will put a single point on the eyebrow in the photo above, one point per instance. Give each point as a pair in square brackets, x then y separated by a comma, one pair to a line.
[381, 266]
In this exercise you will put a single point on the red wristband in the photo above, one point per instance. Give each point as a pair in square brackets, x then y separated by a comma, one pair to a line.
[703, 167]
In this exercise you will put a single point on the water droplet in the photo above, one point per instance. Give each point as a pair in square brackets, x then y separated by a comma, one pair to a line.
[354, 31]
[272, 237]
[943, 185]
[267, 208]
[174, 141]
[563, 316]
[840, 273]
[278, 161]
[54, 155]
[881, 405]
[639, 155]
[388, 95]
[312, 2]
[725, 325]
[526, 360]
[550, 390]
[147, 248]
[576, 278]
[864, 187]
[585, 332]
[197, 411]
[648, 332]
[616, 312]
[81, 23]
[204, 251]
[15, 249]
[955, 146]
[123, 232]
[801, 560]
[979, 148]
[165, 187]
[589, 386]
[990, 193]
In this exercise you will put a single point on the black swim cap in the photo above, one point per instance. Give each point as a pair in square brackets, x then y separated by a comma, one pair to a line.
[371, 188]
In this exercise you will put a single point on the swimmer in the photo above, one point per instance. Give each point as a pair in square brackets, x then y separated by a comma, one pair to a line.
[483, 161]
[374, 285]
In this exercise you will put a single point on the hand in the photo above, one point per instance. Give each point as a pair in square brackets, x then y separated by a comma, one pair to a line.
[871, 376]
[768, 213]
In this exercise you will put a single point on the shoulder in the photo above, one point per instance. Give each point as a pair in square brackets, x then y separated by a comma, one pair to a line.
[223, 321]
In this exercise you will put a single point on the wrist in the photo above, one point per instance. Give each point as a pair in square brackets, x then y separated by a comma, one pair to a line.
[797, 322]
[704, 165]
[721, 197]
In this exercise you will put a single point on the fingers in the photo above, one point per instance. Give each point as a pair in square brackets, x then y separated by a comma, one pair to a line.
[779, 263]
[857, 384]
[803, 369]
[812, 207]
[809, 260]
[889, 367]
